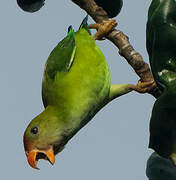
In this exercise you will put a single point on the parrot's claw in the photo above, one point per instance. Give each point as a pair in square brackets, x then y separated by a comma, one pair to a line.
[103, 29]
[143, 87]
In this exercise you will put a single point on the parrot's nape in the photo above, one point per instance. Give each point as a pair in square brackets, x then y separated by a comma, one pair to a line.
[76, 85]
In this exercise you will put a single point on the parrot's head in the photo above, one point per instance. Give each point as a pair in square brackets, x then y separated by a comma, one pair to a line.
[43, 138]
[30, 5]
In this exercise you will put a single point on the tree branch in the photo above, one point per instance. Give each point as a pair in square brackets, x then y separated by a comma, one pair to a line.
[121, 41]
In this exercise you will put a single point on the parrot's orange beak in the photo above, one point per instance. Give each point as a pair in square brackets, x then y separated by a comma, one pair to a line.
[34, 155]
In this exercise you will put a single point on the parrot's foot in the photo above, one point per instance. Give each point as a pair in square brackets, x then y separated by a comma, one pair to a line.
[103, 29]
[143, 87]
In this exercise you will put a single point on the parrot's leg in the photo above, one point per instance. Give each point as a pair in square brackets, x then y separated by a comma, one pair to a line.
[104, 28]
[117, 90]
[143, 87]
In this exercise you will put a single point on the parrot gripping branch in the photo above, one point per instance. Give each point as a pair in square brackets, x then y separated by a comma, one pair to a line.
[121, 41]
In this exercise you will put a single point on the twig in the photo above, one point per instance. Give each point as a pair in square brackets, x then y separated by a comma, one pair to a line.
[121, 41]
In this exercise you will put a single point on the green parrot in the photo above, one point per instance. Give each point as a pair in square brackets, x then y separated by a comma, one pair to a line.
[76, 85]
[161, 43]
[112, 7]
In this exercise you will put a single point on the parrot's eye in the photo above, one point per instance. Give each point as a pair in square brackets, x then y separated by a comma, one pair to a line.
[34, 130]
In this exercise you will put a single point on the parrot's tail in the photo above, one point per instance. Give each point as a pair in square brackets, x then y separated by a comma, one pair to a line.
[85, 25]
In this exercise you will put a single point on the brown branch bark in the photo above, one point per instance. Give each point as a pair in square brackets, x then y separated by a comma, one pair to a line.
[121, 41]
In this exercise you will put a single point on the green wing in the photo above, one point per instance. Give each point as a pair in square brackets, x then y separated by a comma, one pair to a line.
[61, 58]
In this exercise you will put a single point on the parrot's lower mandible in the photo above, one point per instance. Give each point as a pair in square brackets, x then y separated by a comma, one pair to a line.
[76, 85]
[161, 47]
